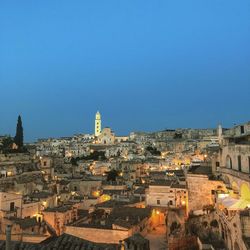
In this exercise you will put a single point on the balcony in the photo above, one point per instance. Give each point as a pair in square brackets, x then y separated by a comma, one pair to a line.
[235, 173]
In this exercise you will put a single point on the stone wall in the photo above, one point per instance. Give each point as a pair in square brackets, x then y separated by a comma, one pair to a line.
[26, 238]
[233, 151]
[200, 191]
[30, 209]
[98, 235]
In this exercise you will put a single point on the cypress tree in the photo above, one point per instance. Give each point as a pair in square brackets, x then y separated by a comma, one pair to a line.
[19, 133]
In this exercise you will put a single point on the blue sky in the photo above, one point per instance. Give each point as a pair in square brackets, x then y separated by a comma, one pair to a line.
[146, 65]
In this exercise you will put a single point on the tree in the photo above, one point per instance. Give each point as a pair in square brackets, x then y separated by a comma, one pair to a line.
[74, 161]
[19, 133]
[153, 150]
[6, 143]
[112, 175]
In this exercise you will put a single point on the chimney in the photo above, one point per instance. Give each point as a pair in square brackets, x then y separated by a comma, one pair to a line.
[8, 237]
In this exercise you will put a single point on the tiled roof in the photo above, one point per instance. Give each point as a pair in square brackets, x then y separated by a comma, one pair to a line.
[40, 195]
[63, 242]
[161, 183]
[61, 209]
[25, 223]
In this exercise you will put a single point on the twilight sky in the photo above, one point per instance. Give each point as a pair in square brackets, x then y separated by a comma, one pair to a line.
[146, 65]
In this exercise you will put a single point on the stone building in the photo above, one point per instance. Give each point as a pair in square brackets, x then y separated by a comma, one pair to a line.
[47, 168]
[201, 191]
[232, 165]
[10, 204]
[163, 193]
[120, 224]
[59, 217]
[106, 136]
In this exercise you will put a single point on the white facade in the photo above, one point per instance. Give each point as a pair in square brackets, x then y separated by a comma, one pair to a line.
[166, 196]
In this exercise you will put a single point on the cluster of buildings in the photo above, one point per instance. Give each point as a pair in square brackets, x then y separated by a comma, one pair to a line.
[104, 191]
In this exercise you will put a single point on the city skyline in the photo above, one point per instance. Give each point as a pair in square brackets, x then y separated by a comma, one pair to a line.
[93, 128]
[145, 66]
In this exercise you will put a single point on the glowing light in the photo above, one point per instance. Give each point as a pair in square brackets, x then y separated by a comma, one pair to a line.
[9, 173]
[104, 198]
[157, 212]
[96, 193]
[223, 195]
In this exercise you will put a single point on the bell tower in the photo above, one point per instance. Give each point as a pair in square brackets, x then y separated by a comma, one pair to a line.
[98, 124]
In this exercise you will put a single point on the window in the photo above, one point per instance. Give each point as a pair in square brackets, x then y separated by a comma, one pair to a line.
[44, 163]
[242, 130]
[239, 163]
[217, 164]
[12, 206]
[228, 162]
[170, 203]
[158, 202]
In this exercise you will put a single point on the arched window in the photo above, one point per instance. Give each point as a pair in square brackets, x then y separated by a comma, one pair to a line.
[228, 162]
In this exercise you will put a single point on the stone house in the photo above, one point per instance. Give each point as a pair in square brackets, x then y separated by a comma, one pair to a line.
[59, 217]
[115, 227]
[163, 193]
